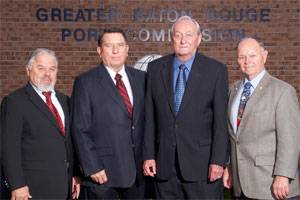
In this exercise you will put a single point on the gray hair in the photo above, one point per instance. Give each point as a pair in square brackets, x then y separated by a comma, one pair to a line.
[187, 18]
[261, 44]
[38, 52]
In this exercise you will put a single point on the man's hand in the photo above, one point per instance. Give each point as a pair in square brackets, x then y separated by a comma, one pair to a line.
[20, 194]
[227, 178]
[75, 187]
[99, 177]
[215, 172]
[280, 187]
[149, 168]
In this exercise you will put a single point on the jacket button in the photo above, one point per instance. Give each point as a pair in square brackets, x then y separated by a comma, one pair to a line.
[132, 127]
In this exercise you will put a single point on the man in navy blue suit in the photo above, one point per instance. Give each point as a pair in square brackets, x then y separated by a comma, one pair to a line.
[108, 122]
[185, 130]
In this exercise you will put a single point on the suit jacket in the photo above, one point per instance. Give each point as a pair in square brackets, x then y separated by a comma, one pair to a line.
[198, 133]
[35, 153]
[104, 134]
[267, 141]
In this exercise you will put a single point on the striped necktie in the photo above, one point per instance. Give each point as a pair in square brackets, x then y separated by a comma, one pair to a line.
[54, 111]
[123, 92]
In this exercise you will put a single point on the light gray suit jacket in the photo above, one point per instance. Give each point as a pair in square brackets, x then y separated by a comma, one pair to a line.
[267, 142]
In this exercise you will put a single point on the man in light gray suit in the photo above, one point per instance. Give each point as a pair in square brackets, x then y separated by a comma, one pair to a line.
[264, 127]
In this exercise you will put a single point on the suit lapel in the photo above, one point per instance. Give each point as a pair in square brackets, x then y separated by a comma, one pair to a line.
[134, 88]
[41, 105]
[193, 83]
[110, 88]
[254, 99]
[64, 104]
[232, 97]
[167, 77]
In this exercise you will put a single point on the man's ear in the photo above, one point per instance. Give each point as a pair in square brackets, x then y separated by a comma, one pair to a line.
[99, 50]
[265, 55]
[199, 39]
[27, 71]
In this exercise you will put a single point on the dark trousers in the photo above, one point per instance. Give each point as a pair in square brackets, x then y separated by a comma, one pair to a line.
[177, 188]
[105, 192]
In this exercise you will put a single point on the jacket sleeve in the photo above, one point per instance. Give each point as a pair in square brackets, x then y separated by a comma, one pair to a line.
[12, 122]
[81, 115]
[220, 130]
[287, 134]
[149, 136]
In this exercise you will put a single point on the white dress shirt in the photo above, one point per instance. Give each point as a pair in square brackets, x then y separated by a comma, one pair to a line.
[125, 80]
[54, 101]
[235, 106]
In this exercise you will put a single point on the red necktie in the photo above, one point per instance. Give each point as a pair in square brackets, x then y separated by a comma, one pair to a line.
[54, 111]
[123, 92]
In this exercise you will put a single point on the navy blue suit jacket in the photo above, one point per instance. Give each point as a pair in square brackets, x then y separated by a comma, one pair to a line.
[199, 132]
[105, 136]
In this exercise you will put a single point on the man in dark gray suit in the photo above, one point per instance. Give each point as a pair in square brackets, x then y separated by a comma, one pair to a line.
[108, 122]
[38, 157]
[186, 138]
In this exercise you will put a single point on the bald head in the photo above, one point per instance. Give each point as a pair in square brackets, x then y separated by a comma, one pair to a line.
[252, 57]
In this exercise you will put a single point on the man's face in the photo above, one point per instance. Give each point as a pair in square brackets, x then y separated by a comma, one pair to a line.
[185, 39]
[251, 58]
[113, 51]
[43, 72]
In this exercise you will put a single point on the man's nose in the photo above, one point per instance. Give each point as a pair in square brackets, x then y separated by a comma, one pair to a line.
[115, 49]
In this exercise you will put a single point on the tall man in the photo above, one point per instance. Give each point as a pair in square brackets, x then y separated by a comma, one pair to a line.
[185, 141]
[108, 122]
[37, 149]
[264, 130]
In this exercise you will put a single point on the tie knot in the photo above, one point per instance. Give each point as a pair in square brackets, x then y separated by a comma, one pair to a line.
[118, 77]
[182, 67]
[247, 85]
[47, 94]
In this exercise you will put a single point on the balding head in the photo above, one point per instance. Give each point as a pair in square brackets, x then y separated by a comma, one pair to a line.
[251, 57]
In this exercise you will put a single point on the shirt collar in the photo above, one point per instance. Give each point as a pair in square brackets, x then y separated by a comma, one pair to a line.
[40, 92]
[112, 73]
[188, 63]
[254, 82]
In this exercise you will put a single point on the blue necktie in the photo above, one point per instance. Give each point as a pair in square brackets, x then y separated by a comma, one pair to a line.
[179, 87]
[243, 101]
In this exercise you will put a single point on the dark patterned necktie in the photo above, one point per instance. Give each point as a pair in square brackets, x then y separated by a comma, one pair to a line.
[243, 101]
[54, 111]
[180, 86]
[123, 92]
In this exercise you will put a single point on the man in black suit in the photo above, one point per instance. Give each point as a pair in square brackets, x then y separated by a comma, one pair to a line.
[185, 142]
[108, 122]
[37, 149]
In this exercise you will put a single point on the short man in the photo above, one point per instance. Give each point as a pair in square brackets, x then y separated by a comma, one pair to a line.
[264, 130]
[186, 138]
[37, 149]
[108, 122]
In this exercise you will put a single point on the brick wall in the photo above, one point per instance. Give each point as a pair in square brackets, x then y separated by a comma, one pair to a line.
[70, 27]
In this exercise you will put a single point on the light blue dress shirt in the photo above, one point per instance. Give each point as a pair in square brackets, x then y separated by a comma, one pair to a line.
[176, 65]
[236, 102]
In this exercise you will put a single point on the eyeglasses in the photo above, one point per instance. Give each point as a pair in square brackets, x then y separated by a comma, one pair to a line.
[179, 36]
[119, 46]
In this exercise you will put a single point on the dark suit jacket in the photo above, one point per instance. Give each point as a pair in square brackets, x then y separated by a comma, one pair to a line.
[35, 153]
[104, 134]
[4, 193]
[199, 131]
